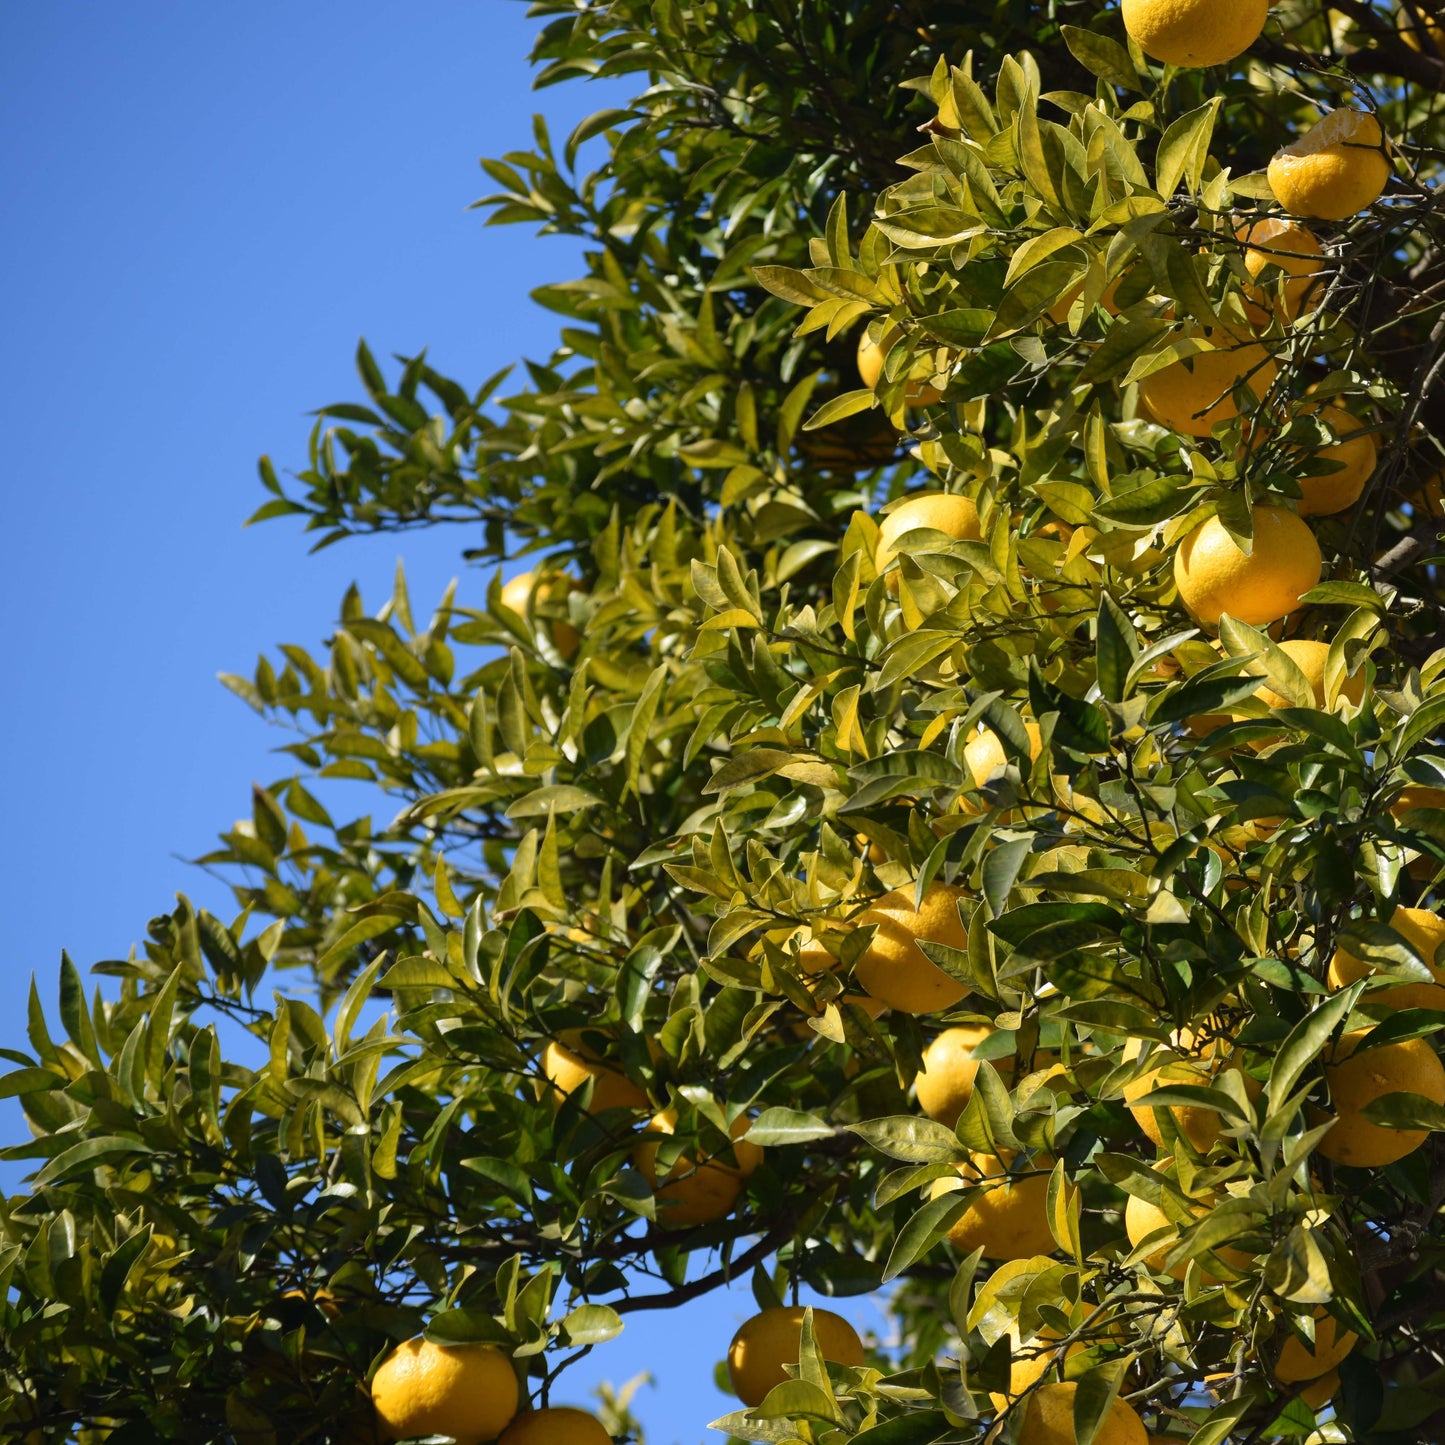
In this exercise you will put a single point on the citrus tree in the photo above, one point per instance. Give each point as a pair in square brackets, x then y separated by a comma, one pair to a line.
[953, 808]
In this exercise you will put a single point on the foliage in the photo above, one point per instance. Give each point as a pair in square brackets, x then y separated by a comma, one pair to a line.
[297, 1137]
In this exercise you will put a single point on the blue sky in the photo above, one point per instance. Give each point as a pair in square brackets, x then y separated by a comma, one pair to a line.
[206, 206]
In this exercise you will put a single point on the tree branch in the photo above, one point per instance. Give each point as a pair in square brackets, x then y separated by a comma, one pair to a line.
[772, 1241]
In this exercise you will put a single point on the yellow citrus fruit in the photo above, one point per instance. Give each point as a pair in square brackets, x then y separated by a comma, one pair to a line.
[1201, 1127]
[1195, 32]
[1141, 1219]
[1434, 33]
[812, 956]
[1298, 1362]
[1416, 795]
[466, 1391]
[1310, 657]
[893, 969]
[945, 1084]
[769, 1341]
[1273, 245]
[696, 1192]
[1260, 586]
[567, 1069]
[1031, 1360]
[1426, 931]
[1010, 1218]
[1194, 395]
[526, 590]
[1049, 1420]
[956, 517]
[1337, 169]
[1356, 1079]
[871, 355]
[1320, 1392]
[1332, 492]
[984, 756]
[556, 1425]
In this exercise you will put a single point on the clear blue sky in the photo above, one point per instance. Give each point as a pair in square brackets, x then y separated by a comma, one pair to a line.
[205, 207]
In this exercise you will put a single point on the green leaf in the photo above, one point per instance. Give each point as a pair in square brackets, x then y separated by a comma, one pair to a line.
[118, 1267]
[1151, 502]
[30, 1081]
[554, 798]
[797, 1397]
[1184, 147]
[1305, 1042]
[1102, 56]
[911, 1140]
[591, 1325]
[1097, 1390]
[503, 1173]
[925, 1228]
[1405, 1111]
[778, 1126]
[643, 715]
[914, 1427]
[466, 1327]
[850, 403]
[87, 1155]
[1117, 647]
[639, 969]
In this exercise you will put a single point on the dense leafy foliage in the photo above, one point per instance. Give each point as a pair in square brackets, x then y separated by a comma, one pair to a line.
[615, 812]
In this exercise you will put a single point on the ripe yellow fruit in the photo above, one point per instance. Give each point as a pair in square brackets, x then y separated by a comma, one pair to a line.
[1320, 1392]
[1141, 1219]
[1311, 657]
[1337, 169]
[1030, 1360]
[466, 1391]
[893, 969]
[556, 1425]
[770, 1340]
[1416, 795]
[1195, 32]
[956, 517]
[871, 355]
[984, 756]
[696, 1192]
[1356, 1079]
[1426, 931]
[566, 1069]
[1273, 245]
[1297, 1362]
[946, 1084]
[812, 957]
[1258, 587]
[1201, 1127]
[1333, 492]
[1010, 1220]
[1049, 1420]
[518, 595]
[1194, 395]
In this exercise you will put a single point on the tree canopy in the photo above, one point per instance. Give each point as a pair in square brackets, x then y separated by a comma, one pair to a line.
[1111, 773]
